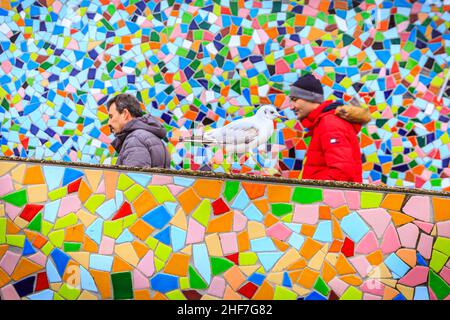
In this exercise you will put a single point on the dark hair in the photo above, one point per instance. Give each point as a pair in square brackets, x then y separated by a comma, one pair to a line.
[126, 101]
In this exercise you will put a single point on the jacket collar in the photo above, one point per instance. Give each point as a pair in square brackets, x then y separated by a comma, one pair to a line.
[313, 117]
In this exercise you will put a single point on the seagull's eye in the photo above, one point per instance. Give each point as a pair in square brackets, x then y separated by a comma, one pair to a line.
[271, 112]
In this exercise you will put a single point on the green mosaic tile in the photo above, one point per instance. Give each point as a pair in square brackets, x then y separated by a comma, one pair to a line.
[307, 195]
[352, 294]
[438, 260]
[132, 193]
[66, 221]
[220, 265]
[15, 240]
[122, 285]
[57, 238]
[163, 251]
[321, 287]
[68, 292]
[287, 218]
[203, 212]
[371, 199]
[442, 245]
[440, 288]
[72, 246]
[282, 293]
[57, 193]
[161, 194]
[231, 189]
[2, 230]
[94, 202]
[36, 223]
[18, 198]
[184, 283]
[56, 296]
[124, 182]
[247, 258]
[175, 295]
[159, 265]
[280, 209]
[195, 280]
[112, 229]
[129, 220]
[47, 248]
[46, 227]
[151, 242]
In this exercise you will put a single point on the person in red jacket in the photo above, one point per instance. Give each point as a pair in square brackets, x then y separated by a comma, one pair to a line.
[333, 152]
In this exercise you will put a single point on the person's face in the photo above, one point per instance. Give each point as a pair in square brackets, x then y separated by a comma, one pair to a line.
[301, 107]
[118, 120]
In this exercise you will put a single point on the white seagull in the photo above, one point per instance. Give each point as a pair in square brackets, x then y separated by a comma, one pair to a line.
[245, 134]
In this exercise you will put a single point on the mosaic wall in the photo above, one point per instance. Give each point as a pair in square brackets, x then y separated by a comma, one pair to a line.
[205, 63]
[90, 233]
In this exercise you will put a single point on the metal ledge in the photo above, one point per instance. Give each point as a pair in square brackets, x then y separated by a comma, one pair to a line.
[241, 177]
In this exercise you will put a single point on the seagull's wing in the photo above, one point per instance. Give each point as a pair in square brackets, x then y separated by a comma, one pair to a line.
[237, 132]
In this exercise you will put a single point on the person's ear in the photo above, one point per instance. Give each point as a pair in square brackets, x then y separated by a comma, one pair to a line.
[127, 114]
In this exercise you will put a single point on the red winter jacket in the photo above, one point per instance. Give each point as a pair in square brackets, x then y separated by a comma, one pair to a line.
[334, 152]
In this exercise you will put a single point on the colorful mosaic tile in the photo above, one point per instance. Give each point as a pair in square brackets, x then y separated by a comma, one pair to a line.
[324, 243]
[205, 63]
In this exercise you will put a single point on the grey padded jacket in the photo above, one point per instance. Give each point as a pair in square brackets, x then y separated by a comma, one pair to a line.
[139, 144]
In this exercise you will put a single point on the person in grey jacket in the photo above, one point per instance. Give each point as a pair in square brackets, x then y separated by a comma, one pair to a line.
[138, 135]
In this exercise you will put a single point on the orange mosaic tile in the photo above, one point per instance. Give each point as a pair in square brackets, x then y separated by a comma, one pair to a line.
[4, 278]
[393, 201]
[375, 258]
[3, 249]
[270, 219]
[71, 274]
[310, 248]
[84, 192]
[11, 228]
[178, 265]
[142, 295]
[341, 212]
[407, 255]
[24, 268]
[206, 188]
[337, 231]
[441, 208]
[243, 241]
[262, 205]
[158, 296]
[308, 230]
[102, 280]
[352, 280]
[188, 200]
[31, 235]
[400, 218]
[299, 264]
[39, 241]
[110, 178]
[121, 265]
[75, 233]
[343, 266]
[324, 213]
[33, 175]
[140, 248]
[231, 294]
[254, 190]
[265, 292]
[144, 203]
[328, 272]
[389, 293]
[224, 223]
[307, 278]
[89, 245]
[234, 277]
[141, 229]
[336, 246]
[279, 193]
[282, 246]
